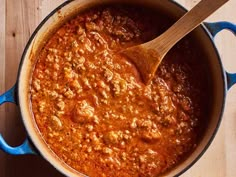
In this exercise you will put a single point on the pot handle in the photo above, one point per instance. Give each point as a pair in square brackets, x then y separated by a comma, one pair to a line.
[216, 27]
[25, 148]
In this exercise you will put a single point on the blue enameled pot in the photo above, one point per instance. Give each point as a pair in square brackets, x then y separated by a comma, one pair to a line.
[19, 94]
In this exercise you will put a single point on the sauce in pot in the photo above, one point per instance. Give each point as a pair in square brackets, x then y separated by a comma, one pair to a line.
[93, 110]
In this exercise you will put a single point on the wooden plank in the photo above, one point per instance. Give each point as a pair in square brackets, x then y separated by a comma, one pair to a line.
[48, 6]
[2, 46]
[2, 82]
[2, 59]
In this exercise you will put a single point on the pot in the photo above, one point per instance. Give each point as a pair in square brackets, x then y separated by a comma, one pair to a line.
[220, 79]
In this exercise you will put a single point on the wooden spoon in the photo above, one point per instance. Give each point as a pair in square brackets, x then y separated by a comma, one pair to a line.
[148, 56]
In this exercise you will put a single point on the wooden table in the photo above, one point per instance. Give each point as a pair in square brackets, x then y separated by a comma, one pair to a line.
[18, 20]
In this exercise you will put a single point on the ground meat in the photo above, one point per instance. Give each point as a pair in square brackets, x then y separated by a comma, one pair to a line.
[94, 111]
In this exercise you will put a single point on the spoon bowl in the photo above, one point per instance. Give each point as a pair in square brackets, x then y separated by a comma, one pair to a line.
[148, 56]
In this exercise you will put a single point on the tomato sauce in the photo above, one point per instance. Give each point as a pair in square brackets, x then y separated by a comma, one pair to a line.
[92, 108]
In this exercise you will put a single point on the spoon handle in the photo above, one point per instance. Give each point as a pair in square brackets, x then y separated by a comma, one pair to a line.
[185, 25]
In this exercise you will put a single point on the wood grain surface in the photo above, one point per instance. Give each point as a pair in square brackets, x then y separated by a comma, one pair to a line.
[19, 18]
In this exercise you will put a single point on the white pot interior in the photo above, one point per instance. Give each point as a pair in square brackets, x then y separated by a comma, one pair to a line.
[215, 73]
